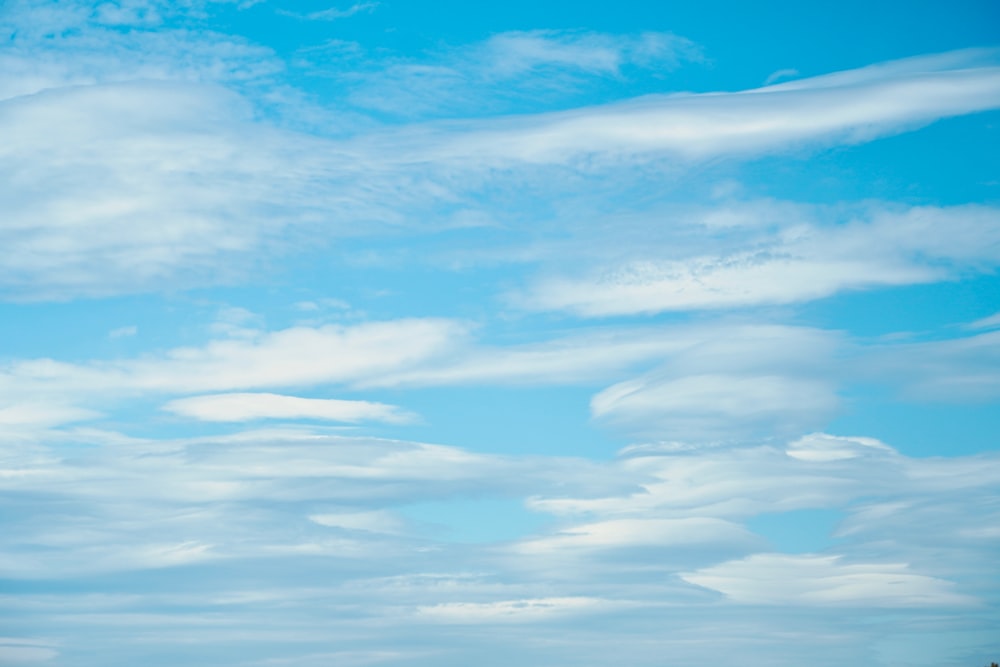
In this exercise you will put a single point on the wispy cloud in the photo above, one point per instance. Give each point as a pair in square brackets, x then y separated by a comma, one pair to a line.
[222, 193]
[787, 256]
[246, 406]
[824, 580]
[332, 13]
[512, 68]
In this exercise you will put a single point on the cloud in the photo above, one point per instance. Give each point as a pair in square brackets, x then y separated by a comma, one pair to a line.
[780, 74]
[801, 260]
[438, 352]
[713, 406]
[623, 533]
[848, 108]
[333, 13]
[298, 356]
[33, 415]
[513, 68]
[820, 447]
[17, 651]
[119, 186]
[823, 581]
[149, 504]
[990, 322]
[523, 611]
[248, 406]
[512, 53]
[375, 521]
[72, 43]
[199, 523]
[124, 332]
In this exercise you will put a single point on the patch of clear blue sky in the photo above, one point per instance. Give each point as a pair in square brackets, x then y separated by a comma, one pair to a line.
[798, 531]
[487, 519]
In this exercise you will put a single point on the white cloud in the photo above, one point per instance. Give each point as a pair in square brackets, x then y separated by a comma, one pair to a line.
[801, 260]
[147, 185]
[850, 108]
[333, 13]
[780, 74]
[296, 356]
[74, 43]
[823, 581]
[422, 352]
[511, 53]
[991, 322]
[123, 332]
[514, 67]
[950, 370]
[240, 407]
[525, 611]
[710, 406]
[622, 533]
[821, 447]
[33, 415]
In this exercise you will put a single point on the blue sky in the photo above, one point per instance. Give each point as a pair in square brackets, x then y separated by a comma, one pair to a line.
[438, 334]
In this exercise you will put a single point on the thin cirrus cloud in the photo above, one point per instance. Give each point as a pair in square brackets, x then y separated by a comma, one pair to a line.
[333, 13]
[529, 610]
[72, 44]
[852, 107]
[240, 407]
[513, 67]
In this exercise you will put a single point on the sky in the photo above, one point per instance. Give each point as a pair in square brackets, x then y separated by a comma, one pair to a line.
[437, 334]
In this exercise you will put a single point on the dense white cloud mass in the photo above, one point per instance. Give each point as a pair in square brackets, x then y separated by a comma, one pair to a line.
[400, 334]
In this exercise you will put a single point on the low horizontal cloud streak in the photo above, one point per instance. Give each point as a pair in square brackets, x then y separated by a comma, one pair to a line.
[249, 406]
[802, 260]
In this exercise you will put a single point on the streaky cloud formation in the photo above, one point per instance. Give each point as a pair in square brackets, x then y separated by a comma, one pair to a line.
[248, 406]
[803, 261]
[438, 334]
